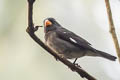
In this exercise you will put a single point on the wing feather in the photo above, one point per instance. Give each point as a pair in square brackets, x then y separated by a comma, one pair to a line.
[78, 41]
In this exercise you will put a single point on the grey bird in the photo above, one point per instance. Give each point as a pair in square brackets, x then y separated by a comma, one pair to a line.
[67, 44]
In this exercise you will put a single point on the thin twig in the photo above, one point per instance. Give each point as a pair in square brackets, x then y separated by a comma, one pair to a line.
[112, 28]
[31, 31]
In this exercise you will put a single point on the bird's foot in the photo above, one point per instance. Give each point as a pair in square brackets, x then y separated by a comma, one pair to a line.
[77, 65]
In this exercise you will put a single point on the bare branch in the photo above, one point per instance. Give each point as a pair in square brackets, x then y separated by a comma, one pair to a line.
[31, 31]
[112, 28]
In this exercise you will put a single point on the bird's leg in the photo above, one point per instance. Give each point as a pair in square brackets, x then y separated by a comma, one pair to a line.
[75, 60]
[76, 64]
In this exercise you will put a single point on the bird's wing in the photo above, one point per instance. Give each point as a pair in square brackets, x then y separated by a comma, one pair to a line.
[73, 38]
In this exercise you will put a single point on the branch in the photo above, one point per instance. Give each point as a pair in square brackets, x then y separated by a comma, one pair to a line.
[112, 28]
[31, 31]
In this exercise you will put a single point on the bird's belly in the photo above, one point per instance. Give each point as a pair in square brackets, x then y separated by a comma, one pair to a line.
[65, 48]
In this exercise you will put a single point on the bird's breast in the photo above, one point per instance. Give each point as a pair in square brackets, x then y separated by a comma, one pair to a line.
[61, 46]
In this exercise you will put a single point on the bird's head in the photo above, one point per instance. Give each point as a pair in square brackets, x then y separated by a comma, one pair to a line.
[50, 24]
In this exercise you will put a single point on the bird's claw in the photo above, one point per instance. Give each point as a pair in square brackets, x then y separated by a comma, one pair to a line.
[76, 64]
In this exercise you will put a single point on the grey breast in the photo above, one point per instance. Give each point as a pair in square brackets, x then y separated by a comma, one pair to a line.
[68, 50]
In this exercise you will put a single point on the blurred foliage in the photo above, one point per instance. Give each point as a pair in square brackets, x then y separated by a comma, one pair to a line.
[22, 59]
[10, 12]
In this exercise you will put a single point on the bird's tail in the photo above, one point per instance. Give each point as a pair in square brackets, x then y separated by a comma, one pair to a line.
[106, 55]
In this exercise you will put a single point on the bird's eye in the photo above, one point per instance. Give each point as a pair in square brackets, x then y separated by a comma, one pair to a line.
[47, 23]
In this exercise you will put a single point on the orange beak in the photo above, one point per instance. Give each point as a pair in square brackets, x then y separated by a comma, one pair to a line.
[47, 23]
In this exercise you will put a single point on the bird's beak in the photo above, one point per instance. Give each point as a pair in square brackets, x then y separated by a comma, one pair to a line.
[47, 23]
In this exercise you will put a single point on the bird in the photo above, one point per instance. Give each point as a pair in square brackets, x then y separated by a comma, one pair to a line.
[67, 44]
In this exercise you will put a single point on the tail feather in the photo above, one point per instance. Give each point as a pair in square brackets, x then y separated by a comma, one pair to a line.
[106, 55]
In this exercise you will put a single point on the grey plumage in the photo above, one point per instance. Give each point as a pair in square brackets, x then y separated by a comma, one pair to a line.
[68, 44]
